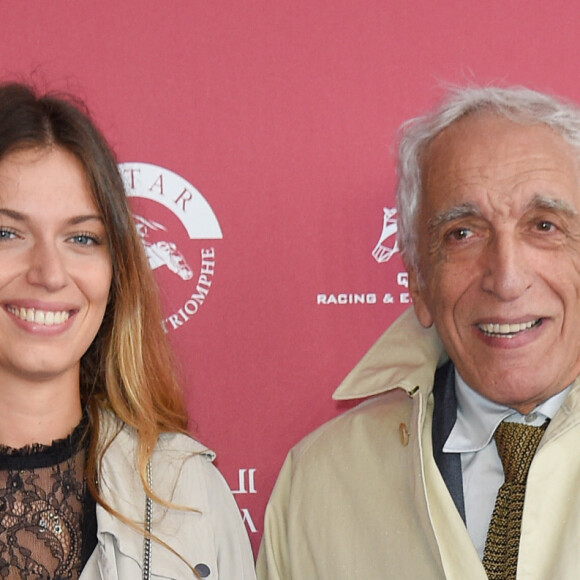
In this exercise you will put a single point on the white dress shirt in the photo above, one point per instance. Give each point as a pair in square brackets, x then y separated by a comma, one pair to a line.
[472, 437]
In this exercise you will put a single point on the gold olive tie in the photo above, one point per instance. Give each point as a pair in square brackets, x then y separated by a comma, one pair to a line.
[516, 445]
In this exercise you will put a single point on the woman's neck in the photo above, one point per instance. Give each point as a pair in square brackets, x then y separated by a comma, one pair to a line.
[38, 412]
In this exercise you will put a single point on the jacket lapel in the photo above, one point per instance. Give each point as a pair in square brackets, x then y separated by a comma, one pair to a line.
[444, 417]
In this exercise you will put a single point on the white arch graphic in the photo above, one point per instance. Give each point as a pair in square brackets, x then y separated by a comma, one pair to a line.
[163, 186]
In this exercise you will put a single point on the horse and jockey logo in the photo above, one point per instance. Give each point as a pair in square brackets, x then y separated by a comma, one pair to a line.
[179, 233]
[161, 253]
[385, 248]
[387, 244]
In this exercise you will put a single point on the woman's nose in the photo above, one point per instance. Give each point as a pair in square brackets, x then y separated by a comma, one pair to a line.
[46, 267]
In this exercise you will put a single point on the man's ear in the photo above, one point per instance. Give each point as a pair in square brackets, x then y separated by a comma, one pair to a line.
[420, 299]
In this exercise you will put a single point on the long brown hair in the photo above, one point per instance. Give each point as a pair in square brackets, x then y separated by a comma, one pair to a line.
[129, 368]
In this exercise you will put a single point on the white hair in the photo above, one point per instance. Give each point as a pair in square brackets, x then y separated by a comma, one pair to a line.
[518, 104]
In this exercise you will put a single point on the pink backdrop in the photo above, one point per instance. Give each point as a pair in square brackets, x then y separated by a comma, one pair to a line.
[269, 125]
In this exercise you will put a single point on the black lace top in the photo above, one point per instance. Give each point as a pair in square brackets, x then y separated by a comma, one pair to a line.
[47, 517]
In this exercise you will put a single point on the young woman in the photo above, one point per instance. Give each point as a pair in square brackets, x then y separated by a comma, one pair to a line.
[98, 477]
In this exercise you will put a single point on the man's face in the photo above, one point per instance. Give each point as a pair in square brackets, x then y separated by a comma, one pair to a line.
[499, 256]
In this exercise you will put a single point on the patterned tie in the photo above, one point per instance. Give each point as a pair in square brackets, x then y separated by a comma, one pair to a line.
[516, 445]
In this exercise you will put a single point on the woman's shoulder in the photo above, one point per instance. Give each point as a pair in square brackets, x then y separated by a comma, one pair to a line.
[122, 439]
[180, 466]
[182, 443]
[200, 519]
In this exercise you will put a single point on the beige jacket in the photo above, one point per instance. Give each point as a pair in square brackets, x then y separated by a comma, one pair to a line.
[362, 499]
[182, 471]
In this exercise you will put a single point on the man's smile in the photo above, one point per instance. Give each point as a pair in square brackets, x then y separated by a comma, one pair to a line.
[502, 330]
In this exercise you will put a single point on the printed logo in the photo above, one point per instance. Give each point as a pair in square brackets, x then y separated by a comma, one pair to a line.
[387, 244]
[383, 251]
[177, 228]
[161, 253]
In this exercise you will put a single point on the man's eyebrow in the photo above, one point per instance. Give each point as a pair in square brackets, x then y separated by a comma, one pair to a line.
[453, 213]
[20, 217]
[470, 210]
[554, 204]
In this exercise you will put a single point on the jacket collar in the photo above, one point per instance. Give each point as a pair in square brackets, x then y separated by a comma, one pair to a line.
[405, 356]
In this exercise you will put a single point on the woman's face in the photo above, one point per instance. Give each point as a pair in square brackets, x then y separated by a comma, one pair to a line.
[55, 266]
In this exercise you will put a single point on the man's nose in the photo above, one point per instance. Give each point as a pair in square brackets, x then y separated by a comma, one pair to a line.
[46, 266]
[507, 272]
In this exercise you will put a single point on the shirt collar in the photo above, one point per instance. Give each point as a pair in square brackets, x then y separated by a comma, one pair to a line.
[478, 417]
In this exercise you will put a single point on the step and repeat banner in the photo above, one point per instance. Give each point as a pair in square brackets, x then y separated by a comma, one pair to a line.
[255, 138]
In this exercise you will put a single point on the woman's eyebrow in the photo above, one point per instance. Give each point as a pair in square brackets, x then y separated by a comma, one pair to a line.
[15, 215]
[18, 216]
[85, 218]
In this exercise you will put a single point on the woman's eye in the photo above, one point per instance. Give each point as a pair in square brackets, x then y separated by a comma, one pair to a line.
[6, 234]
[85, 240]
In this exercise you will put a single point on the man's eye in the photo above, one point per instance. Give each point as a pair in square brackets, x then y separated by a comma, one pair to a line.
[545, 226]
[459, 234]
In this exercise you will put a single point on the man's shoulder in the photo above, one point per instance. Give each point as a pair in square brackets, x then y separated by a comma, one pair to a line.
[375, 420]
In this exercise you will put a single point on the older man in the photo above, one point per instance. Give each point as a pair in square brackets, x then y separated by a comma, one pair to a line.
[464, 463]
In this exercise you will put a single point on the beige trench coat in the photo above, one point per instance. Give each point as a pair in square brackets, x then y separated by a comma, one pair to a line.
[361, 498]
[182, 471]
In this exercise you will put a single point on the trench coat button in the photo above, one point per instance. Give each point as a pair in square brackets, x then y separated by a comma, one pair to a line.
[404, 434]
[203, 570]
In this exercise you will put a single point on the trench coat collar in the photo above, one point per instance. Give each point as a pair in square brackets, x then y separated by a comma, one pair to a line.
[405, 356]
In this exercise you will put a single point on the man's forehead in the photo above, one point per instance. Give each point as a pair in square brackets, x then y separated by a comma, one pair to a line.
[490, 154]
[486, 132]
